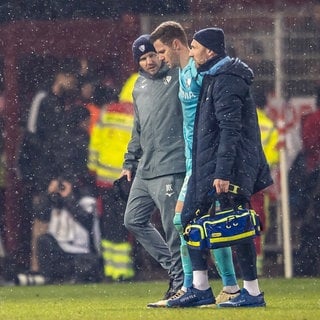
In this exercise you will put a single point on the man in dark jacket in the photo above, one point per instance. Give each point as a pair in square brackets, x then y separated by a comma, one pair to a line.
[156, 152]
[226, 150]
[66, 220]
[37, 160]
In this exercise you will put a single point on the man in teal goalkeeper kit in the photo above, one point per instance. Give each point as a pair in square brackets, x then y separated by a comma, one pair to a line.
[170, 42]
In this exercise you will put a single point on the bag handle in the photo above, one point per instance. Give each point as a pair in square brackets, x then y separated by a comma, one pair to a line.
[233, 189]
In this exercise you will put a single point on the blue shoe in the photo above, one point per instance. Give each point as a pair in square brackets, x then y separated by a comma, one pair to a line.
[244, 299]
[193, 298]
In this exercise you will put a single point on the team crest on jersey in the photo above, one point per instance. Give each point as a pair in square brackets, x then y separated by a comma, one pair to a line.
[188, 82]
[167, 79]
[143, 84]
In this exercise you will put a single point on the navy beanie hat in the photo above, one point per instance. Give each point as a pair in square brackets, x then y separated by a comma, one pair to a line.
[212, 38]
[141, 46]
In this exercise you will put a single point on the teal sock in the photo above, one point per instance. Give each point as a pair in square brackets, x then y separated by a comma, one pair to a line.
[224, 264]
[186, 263]
[185, 258]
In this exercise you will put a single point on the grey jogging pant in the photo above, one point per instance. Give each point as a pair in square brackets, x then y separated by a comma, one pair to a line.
[163, 193]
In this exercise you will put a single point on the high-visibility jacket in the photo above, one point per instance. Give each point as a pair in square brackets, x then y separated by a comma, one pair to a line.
[126, 91]
[109, 140]
[94, 115]
[269, 137]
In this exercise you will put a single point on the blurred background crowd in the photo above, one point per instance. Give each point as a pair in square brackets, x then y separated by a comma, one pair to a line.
[66, 74]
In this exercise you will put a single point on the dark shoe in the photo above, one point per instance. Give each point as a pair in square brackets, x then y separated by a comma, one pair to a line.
[244, 299]
[193, 298]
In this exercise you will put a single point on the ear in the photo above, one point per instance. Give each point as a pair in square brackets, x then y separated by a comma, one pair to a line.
[175, 44]
[211, 53]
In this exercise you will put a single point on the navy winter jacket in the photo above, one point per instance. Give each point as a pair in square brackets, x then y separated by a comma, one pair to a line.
[226, 142]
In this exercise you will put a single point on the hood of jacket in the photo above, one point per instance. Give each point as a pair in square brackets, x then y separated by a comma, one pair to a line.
[228, 66]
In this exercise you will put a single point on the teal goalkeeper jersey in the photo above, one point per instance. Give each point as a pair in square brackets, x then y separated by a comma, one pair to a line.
[190, 84]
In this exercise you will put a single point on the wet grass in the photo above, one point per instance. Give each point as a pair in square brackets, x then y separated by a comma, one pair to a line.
[286, 299]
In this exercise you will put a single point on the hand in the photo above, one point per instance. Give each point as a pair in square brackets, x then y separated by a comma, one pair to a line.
[221, 186]
[126, 172]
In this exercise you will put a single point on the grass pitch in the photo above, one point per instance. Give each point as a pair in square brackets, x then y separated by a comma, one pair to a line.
[286, 299]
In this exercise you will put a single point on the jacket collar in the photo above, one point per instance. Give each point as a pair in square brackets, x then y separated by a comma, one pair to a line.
[161, 73]
[210, 63]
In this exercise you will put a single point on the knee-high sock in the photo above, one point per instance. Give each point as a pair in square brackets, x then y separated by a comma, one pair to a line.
[224, 264]
[185, 258]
